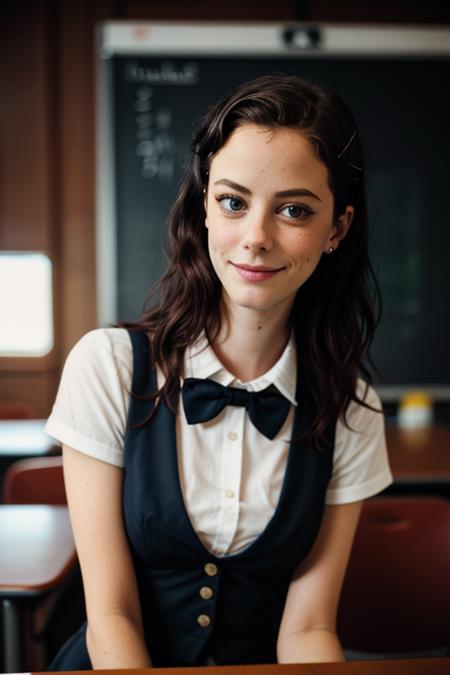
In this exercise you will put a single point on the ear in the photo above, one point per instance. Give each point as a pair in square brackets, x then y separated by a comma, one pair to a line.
[340, 229]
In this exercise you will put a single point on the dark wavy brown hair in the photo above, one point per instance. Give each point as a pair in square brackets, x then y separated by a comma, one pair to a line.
[336, 310]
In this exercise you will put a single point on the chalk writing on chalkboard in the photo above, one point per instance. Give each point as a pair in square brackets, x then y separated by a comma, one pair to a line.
[166, 72]
[155, 143]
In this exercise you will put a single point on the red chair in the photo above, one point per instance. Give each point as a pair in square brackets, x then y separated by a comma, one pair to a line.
[396, 593]
[38, 480]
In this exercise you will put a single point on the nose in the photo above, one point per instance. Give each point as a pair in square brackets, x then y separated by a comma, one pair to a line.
[258, 236]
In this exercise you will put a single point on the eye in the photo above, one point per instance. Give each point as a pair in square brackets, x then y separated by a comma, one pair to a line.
[296, 211]
[230, 203]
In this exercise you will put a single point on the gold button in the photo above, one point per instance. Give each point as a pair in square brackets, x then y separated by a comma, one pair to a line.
[204, 620]
[232, 436]
[229, 493]
[211, 569]
[206, 592]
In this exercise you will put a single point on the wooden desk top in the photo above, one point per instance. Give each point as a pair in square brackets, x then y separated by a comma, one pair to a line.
[37, 550]
[419, 454]
[23, 438]
[439, 666]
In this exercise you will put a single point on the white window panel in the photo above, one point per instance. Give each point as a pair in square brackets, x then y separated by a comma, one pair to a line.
[26, 304]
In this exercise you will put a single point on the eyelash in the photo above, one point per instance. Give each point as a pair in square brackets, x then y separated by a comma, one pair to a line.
[307, 211]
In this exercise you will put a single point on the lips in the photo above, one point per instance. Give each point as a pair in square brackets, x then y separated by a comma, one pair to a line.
[256, 272]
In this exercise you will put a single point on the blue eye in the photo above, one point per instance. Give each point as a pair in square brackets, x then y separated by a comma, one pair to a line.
[296, 211]
[230, 203]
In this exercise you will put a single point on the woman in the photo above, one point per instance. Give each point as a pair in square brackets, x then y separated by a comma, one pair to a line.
[214, 508]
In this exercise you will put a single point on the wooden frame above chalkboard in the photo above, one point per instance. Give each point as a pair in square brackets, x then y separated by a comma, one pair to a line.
[155, 79]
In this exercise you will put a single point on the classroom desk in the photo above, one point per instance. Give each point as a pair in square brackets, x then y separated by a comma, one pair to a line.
[37, 553]
[438, 666]
[419, 455]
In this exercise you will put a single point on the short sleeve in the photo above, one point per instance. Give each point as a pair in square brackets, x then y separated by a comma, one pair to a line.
[361, 466]
[91, 406]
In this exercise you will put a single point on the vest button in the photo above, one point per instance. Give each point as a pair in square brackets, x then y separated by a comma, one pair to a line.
[211, 569]
[206, 592]
[204, 620]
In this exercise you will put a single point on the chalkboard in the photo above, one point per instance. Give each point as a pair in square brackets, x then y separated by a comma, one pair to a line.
[402, 106]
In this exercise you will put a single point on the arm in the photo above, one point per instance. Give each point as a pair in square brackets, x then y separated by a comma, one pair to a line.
[94, 493]
[308, 627]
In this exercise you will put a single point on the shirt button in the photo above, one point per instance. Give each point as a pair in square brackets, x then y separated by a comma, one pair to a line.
[229, 493]
[232, 435]
[211, 569]
[204, 620]
[206, 592]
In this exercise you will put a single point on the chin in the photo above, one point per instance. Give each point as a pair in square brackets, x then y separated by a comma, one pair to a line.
[258, 302]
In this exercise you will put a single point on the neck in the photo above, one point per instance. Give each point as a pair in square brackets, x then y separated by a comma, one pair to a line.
[250, 342]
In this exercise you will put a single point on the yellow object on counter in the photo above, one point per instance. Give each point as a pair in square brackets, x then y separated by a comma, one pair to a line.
[415, 410]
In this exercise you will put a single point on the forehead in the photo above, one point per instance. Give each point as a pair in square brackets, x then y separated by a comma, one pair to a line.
[282, 153]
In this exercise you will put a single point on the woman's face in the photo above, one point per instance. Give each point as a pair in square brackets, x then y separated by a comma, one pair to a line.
[269, 215]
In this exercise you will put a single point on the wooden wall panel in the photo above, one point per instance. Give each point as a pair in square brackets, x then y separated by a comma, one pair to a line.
[77, 169]
[37, 388]
[26, 217]
[27, 170]
[381, 11]
[370, 11]
[232, 10]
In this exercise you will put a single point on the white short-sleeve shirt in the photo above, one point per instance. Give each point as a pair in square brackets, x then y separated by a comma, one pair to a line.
[231, 475]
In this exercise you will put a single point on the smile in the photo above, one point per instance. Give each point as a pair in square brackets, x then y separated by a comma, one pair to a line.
[257, 272]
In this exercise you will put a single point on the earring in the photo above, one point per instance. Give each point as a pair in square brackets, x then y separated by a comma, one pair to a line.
[330, 250]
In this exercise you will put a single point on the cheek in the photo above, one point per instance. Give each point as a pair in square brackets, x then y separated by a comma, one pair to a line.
[306, 246]
[220, 239]
[299, 247]
[214, 246]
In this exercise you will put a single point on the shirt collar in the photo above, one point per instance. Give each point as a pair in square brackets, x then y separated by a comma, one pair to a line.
[201, 361]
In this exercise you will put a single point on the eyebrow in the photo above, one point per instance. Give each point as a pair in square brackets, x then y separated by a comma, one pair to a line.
[295, 192]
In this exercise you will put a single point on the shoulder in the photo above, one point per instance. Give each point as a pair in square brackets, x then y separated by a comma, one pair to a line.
[360, 463]
[363, 420]
[359, 413]
[91, 406]
[113, 341]
[103, 355]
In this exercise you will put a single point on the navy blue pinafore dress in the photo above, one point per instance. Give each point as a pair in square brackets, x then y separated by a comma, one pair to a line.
[194, 604]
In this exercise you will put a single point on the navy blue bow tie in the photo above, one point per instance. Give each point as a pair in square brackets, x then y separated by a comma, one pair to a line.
[205, 399]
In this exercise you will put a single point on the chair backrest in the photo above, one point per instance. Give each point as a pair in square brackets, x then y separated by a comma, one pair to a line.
[396, 592]
[38, 480]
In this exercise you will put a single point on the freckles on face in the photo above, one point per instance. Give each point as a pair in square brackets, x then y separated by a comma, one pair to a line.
[269, 214]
